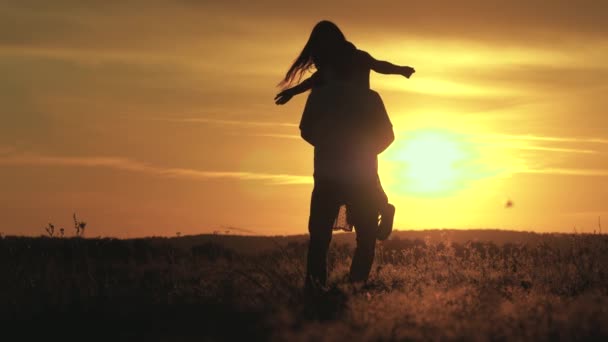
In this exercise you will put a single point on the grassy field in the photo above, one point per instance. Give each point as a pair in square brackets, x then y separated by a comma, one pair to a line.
[431, 285]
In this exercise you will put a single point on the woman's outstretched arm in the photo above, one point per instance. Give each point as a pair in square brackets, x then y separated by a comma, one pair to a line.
[388, 68]
[286, 95]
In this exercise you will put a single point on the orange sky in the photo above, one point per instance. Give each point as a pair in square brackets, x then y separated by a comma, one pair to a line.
[152, 117]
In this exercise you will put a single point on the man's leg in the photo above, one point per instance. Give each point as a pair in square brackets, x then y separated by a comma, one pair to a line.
[323, 211]
[365, 218]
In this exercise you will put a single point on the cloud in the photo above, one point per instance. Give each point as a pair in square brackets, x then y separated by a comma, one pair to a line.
[546, 138]
[278, 136]
[135, 166]
[201, 25]
[570, 172]
[553, 149]
[6, 149]
[524, 142]
[226, 122]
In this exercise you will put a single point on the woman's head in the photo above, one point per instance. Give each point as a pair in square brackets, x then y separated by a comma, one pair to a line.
[322, 44]
[324, 39]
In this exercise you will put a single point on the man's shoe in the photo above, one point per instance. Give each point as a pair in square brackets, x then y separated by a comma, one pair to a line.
[387, 214]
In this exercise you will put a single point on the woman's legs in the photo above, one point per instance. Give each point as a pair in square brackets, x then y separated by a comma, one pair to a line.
[323, 210]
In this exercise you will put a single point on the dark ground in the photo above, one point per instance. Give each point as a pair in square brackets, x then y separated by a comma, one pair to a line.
[431, 285]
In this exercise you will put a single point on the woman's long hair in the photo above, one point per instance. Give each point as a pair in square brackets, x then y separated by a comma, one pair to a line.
[325, 37]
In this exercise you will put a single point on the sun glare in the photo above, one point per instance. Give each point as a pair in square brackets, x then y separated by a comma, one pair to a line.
[429, 162]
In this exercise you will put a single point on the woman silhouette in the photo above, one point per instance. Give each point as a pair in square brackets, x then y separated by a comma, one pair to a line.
[347, 124]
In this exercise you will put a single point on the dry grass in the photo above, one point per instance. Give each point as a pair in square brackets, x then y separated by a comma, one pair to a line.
[554, 288]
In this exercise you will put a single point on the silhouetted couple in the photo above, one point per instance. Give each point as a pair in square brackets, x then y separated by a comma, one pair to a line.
[348, 126]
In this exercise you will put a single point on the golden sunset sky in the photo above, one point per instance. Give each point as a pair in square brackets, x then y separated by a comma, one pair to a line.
[153, 117]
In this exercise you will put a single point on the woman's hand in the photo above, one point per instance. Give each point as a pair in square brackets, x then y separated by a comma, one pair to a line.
[407, 71]
[283, 97]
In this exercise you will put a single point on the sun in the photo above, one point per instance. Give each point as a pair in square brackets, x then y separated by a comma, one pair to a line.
[430, 162]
